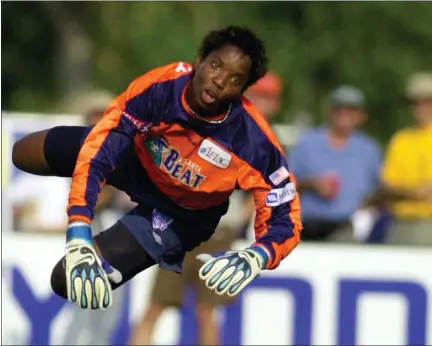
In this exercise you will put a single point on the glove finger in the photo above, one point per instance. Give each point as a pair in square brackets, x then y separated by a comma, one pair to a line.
[208, 269]
[229, 273]
[214, 268]
[219, 275]
[224, 281]
[103, 293]
[113, 274]
[96, 288]
[88, 295]
[71, 289]
[236, 289]
[92, 291]
[204, 257]
[78, 289]
[238, 284]
[205, 269]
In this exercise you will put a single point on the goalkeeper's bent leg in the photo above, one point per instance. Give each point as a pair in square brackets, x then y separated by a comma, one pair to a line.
[119, 248]
[58, 279]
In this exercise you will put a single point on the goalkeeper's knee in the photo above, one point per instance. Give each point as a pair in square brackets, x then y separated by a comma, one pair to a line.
[58, 279]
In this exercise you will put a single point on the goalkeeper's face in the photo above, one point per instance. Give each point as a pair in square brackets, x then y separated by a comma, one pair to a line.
[220, 78]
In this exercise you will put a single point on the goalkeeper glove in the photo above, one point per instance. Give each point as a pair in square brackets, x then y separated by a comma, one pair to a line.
[231, 272]
[87, 273]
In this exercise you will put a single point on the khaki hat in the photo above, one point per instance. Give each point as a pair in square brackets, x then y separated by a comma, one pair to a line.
[419, 86]
[347, 96]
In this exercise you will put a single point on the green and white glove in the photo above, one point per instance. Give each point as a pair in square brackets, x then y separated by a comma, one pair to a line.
[232, 271]
[87, 273]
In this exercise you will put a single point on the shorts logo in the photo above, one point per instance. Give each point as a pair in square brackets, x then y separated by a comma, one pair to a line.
[169, 159]
[160, 221]
[157, 237]
[214, 154]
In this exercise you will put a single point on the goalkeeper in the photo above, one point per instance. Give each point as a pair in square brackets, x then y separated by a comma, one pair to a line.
[178, 141]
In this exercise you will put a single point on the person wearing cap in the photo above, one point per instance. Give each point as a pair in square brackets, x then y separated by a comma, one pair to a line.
[407, 169]
[337, 168]
[266, 94]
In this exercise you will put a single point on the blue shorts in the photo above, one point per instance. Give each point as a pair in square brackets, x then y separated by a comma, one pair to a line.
[164, 229]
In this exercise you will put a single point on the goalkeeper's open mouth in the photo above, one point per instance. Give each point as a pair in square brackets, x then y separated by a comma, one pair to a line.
[208, 97]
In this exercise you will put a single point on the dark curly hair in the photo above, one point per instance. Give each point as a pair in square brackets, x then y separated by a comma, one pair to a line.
[242, 38]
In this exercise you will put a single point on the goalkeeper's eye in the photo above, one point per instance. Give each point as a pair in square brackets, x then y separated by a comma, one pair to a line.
[235, 80]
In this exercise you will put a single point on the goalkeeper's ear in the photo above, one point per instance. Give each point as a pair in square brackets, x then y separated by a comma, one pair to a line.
[198, 60]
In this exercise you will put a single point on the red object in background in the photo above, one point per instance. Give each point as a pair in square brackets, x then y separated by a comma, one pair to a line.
[270, 84]
[335, 182]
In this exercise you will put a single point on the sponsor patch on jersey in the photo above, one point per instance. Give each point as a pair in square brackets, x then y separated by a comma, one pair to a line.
[157, 147]
[214, 154]
[169, 160]
[141, 125]
[279, 175]
[280, 196]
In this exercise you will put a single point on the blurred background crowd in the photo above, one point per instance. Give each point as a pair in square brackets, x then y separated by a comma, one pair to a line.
[349, 95]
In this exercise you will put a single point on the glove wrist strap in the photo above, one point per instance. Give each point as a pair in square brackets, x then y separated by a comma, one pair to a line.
[79, 230]
[262, 254]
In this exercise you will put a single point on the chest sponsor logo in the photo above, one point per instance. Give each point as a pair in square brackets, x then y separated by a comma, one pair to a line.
[215, 155]
[169, 160]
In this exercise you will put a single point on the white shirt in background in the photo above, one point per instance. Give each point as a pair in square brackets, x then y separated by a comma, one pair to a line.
[45, 198]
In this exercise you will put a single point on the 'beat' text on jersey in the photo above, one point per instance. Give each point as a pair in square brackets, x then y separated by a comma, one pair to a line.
[165, 156]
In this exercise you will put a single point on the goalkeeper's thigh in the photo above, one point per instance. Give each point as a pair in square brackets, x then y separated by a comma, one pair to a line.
[119, 248]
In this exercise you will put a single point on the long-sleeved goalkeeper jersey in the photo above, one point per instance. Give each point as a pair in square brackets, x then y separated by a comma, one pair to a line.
[194, 163]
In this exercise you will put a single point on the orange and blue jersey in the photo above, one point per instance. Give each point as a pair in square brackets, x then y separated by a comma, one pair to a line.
[196, 164]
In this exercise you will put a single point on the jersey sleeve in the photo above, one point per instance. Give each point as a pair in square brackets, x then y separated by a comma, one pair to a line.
[277, 221]
[131, 113]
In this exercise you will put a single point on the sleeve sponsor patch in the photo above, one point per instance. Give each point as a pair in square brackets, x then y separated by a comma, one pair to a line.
[282, 195]
[279, 175]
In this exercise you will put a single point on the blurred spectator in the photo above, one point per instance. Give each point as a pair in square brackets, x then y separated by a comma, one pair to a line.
[407, 172]
[266, 94]
[337, 168]
[303, 122]
[39, 203]
[163, 296]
